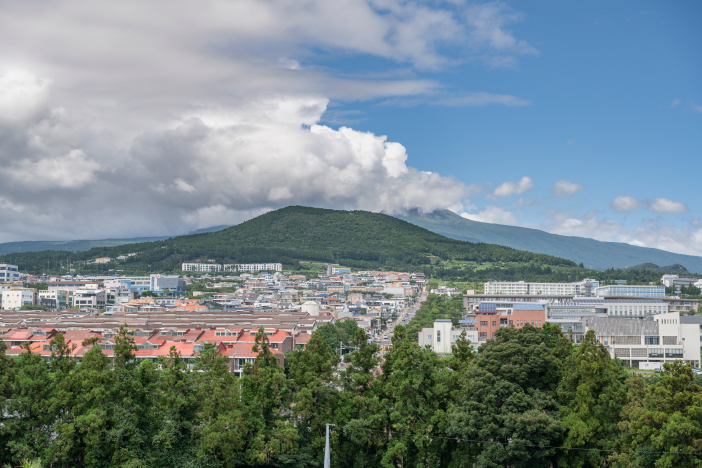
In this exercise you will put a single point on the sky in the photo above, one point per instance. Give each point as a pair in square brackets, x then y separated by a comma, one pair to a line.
[133, 118]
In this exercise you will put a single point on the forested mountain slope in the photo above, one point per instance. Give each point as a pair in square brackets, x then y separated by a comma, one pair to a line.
[593, 254]
[354, 238]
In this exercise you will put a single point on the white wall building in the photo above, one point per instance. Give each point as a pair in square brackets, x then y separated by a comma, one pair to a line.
[253, 267]
[585, 287]
[9, 272]
[443, 335]
[90, 298]
[201, 267]
[16, 298]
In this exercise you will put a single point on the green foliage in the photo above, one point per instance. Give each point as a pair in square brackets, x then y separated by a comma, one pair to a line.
[361, 240]
[510, 404]
[665, 416]
[435, 307]
[508, 397]
[336, 333]
[592, 393]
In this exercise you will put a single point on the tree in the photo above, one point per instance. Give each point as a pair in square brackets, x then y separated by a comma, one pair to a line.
[592, 393]
[663, 417]
[507, 399]
[419, 390]
[7, 371]
[358, 438]
[220, 422]
[30, 404]
[462, 353]
[314, 399]
[264, 392]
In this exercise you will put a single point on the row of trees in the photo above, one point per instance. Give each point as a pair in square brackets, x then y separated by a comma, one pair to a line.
[527, 399]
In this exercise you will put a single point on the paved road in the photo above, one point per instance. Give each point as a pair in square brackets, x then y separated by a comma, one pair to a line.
[403, 319]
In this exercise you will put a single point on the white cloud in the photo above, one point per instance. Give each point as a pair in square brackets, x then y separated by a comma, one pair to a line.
[571, 141]
[623, 204]
[675, 103]
[492, 214]
[566, 224]
[511, 188]
[210, 112]
[21, 93]
[565, 189]
[663, 205]
[71, 171]
[696, 107]
[658, 205]
[481, 99]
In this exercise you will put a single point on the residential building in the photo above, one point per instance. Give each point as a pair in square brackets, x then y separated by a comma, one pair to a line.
[333, 270]
[201, 267]
[489, 319]
[9, 272]
[443, 335]
[103, 260]
[174, 284]
[585, 287]
[53, 299]
[631, 290]
[253, 267]
[90, 298]
[17, 297]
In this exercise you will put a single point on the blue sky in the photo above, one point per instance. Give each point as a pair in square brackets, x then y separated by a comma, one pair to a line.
[615, 104]
[132, 118]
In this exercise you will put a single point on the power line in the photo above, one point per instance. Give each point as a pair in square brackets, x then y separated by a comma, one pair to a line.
[460, 439]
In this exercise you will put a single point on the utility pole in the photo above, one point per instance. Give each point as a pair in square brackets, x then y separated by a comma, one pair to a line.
[327, 451]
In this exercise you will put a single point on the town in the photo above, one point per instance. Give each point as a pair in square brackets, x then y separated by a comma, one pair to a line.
[225, 305]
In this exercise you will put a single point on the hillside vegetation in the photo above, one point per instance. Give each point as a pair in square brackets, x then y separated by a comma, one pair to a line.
[358, 239]
[592, 253]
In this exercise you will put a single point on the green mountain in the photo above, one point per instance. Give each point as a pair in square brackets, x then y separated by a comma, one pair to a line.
[592, 253]
[675, 269]
[358, 239]
[69, 246]
[79, 245]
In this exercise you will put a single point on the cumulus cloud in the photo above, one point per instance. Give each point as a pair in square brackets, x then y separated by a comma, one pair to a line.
[623, 204]
[511, 188]
[210, 113]
[658, 205]
[492, 214]
[565, 189]
[663, 205]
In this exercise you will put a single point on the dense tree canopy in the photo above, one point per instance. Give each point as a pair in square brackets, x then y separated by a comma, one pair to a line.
[526, 399]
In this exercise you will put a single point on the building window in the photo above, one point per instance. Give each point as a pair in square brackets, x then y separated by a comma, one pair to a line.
[483, 335]
[674, 353]
[483, 323]
[438, 336]
[655, 352]
[494, 323]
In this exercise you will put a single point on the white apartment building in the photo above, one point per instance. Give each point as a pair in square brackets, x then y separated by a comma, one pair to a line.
[253, 267]
[16, 298]
[9, 272]
[201, 267]
[443, 335]
[585, 287]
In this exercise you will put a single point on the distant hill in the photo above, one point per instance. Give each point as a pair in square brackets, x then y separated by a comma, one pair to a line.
[676, 268]
[592, 253]
[81, 245]
[358, 239]
[69, 246]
